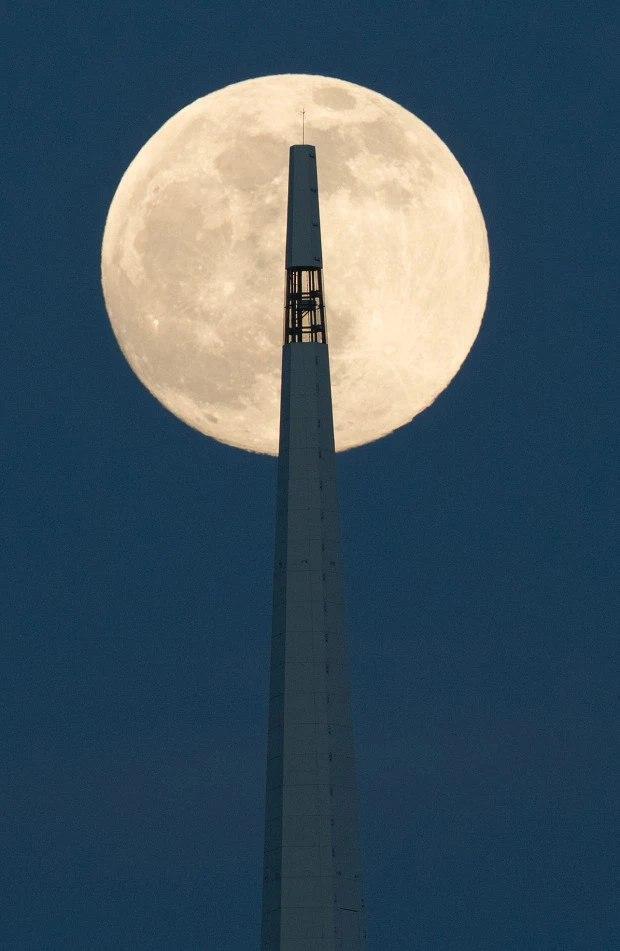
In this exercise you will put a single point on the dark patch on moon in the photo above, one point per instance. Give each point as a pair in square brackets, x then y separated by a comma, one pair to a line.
[334, 99]
[251, 159]
[394, 194]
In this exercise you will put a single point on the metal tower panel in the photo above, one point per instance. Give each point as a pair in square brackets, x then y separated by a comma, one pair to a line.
[303, 232]
[312, 896]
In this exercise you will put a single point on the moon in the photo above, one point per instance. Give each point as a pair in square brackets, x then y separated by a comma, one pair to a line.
[193, 258]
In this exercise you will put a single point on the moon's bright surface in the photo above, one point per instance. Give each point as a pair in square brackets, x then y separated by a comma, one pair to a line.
[193, 258]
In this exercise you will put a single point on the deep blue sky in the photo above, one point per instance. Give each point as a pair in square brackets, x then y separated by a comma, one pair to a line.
[477, 540]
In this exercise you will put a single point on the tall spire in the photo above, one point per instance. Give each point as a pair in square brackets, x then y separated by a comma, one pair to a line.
[305, 308]
[312, 895]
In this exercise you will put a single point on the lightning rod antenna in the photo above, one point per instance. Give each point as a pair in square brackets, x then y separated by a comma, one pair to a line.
[303, 126]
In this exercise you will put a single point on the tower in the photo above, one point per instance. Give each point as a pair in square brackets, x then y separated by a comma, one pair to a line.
[312, 894]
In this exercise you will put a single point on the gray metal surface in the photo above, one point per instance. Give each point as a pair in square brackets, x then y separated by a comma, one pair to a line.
[312, 896]
[303, 231]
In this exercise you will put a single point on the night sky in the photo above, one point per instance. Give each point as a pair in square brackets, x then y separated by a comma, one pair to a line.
[137, 554]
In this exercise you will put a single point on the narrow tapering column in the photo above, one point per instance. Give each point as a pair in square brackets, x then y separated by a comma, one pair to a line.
[312, 890]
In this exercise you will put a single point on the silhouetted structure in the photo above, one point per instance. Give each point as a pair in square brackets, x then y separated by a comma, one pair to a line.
[312, 894]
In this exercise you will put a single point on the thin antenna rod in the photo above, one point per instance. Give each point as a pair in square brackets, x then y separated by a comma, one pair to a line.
[303, 126]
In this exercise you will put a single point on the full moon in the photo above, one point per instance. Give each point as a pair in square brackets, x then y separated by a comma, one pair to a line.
[193, 258]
